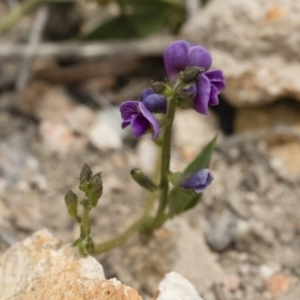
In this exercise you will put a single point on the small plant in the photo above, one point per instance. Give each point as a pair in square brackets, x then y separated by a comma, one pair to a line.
[190, 84]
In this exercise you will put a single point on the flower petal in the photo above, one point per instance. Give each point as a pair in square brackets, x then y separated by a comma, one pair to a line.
[216, 77]
[150, 117]
[198, 181]
[213, 97]
[156, 103]
[129, 109]
[125, 124]
[146, 93]
[139, 125]
[203, 94]
[199, 57]
[175, 58]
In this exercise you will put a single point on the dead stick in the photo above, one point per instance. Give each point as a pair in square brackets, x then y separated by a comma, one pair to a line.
[153, 46]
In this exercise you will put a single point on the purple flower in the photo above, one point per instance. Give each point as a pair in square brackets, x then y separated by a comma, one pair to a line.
[209, 85]
[155, 103]
[139, 114]
[180, 55]
[198, 181]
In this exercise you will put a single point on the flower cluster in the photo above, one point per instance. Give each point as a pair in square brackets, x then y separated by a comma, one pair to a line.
[180, 55]
[187, 66]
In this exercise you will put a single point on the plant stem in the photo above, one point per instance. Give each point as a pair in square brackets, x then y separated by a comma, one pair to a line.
[100, 248]
[165, 164]
[124, 236]
[17, 14]
[85, 225]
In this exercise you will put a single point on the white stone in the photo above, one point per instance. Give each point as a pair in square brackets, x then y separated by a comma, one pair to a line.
[148, 154]
[80, 118]
[106, 132]
[176, 287]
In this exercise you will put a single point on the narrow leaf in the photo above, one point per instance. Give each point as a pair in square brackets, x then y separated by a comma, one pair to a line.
[181, 200]
[202, 160]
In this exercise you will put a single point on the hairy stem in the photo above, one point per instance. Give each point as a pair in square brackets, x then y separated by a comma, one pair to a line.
[104, 247]
[165, 164]
[85, 225]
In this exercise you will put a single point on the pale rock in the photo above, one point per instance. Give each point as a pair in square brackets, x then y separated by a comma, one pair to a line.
[255, 43]
[105, 132]
[232, 282]
[222, 233]
[40, 267]
[80, 118]
[193, 131]
[266, 272]
[284, 158]
[176, 287]
[59, 138]
[193, 255]
[148, 154]
[257, 118]
[278, 284]
[45, 102]
[179, 247]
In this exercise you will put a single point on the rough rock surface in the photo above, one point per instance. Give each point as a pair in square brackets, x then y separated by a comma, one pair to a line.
[179, 247]
[176, 287]
[41, 268]
[255, 43]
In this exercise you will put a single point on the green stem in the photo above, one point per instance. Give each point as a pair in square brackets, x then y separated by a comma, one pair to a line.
[124, 236]
[17, 14]
[85, 225]
[100, 248]
[165, 164]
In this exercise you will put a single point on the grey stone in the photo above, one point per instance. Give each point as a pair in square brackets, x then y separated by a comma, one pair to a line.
[255, 43]
[222, 234]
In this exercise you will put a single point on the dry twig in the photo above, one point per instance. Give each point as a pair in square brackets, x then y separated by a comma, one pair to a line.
[34, 40]
[153, 46]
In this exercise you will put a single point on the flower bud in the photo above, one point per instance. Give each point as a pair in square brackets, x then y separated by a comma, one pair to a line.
[190, 74]
[198, 181]
[189, 91]
[85, 202]
[159, 87]
[85, 175]
[95, 188]
[71, 201]
[143, 180]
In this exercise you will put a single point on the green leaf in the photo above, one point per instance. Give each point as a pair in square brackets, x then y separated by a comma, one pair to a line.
[181, 200]
[175, 178]
[111, 29]
[202, 160]
[139, 19]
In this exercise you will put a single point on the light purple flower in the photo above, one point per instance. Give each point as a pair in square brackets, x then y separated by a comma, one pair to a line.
[198, 181]
[180, 55]
[139, 114]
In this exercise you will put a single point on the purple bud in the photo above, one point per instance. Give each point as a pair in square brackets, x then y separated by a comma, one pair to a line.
[190, 91]
[156, 103]
[198, 181]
